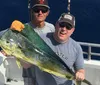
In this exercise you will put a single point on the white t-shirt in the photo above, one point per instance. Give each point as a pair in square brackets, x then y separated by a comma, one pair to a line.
[46, 29]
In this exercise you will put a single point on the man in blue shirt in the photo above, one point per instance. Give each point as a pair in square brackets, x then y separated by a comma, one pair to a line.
[68, 50]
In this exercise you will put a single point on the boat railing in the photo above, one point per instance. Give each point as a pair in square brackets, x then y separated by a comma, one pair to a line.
[88, 51]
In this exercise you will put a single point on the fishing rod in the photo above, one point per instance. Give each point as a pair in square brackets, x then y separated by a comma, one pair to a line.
[29, 6]
[68, 7]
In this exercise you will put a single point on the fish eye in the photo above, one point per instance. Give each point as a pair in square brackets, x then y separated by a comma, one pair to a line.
[7, 41]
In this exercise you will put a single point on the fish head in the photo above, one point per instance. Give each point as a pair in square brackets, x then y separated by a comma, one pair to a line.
[11, 42]
[8, 45]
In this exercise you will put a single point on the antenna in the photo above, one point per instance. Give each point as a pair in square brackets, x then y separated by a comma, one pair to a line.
[68, 8]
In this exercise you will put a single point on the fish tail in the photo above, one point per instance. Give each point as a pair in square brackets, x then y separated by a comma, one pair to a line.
[84, 81]
[78, 82]
[87, 82]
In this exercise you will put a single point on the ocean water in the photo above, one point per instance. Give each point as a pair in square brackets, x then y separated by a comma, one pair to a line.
[87, 13]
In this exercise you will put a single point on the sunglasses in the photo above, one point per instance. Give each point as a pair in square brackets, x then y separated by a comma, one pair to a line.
[67, 25]
[38, 9]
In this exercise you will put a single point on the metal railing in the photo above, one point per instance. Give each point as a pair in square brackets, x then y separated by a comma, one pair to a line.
[89, 51]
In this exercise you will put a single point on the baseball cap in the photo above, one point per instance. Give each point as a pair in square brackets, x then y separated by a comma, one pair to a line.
[68, 18]
[34, 3]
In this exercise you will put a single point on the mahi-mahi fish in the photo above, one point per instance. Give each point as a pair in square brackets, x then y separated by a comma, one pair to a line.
[28, 46]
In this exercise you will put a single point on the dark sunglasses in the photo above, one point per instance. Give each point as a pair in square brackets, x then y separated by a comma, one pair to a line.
[38, 9]
[67, 25]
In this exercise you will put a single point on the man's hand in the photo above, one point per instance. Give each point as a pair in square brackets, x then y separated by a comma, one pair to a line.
[80, 75]
[17, 25]
[4, 53]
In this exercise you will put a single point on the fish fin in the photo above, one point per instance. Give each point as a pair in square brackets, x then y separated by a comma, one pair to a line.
[52, 72]
[18, 63]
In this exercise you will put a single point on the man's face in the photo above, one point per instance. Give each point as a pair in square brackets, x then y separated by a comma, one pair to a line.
[40, 13]
[63, 31]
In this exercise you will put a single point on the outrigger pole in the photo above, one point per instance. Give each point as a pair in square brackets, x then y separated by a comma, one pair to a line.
[28, 4]
[68, 8]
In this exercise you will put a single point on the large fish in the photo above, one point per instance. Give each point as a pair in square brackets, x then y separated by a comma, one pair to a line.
[28, 46]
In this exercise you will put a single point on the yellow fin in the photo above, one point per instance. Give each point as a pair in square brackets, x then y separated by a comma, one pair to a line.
[18, 63]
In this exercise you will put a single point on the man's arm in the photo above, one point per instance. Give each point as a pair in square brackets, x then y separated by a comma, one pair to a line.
[79, 64]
